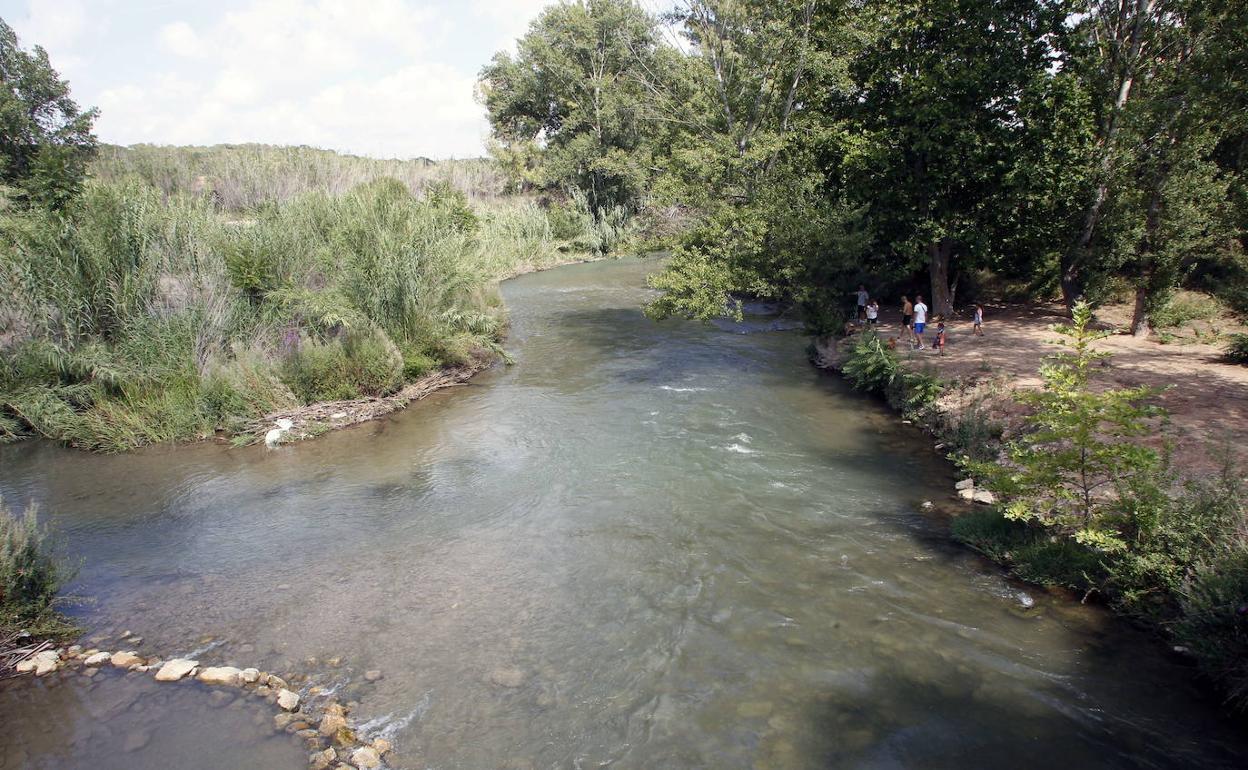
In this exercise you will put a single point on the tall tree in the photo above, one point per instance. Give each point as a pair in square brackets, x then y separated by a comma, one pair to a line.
[45, 139]
[576, 91]
[936, 103]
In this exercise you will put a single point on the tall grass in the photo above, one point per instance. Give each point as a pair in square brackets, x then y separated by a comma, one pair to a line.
[241, 177]
[138, 318]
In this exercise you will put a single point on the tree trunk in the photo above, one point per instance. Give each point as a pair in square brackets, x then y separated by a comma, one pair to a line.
[1140, 325]
[938, 253]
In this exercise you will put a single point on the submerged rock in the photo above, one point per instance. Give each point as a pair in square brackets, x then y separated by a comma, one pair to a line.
[507, 677]
[46, 662]
[321, 760]
[175, 669]
[221, 675]
[332, 723]
[382, 745]
[127, 659]
[366, 758]
[372, 675]
[251, 675]
[287, 700]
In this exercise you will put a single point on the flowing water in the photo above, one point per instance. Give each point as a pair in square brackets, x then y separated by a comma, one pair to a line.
[640, 546]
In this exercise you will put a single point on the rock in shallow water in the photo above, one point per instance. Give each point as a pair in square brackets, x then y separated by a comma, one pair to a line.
[175, 669]
[221, 675]
[126, 659]
[366, 758]
[507, 677]
[287, 700]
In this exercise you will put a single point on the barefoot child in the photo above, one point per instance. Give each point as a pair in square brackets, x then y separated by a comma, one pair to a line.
[940, 337]
[979, 320]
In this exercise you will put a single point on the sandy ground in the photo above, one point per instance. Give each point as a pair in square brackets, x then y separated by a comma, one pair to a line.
[1206, 397]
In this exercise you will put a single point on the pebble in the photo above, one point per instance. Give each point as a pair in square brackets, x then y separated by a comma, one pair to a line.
[136, 740]
[507, 677]
[331, 723]
[221, 675]
[372, 675]
[321, 760]
[126, 659]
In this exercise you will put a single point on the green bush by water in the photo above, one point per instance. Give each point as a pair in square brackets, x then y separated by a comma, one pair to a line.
[30, 576]
[135, 319]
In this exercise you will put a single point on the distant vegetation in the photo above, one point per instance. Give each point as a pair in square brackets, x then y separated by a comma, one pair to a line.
[241, 177]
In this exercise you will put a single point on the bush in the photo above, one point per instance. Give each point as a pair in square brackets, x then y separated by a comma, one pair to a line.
[1237, 350]
[568, 220]
[30, 577]
[870, 365]
[1213, 624]
[359, 364]
[1184, 308]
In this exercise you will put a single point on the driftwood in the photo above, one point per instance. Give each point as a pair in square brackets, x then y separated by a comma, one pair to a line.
[315, 418]
[16, 647]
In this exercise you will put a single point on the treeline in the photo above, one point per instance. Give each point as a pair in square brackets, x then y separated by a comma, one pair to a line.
[1065, 146]
[163, 294]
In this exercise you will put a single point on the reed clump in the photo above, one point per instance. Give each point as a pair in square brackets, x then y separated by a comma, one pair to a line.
[141, 313]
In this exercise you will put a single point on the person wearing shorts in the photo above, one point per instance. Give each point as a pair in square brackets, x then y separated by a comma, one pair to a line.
[907, 316]
[873, 313]
[920, 319]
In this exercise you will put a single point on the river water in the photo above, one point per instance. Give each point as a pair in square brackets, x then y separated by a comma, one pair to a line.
[642, 545]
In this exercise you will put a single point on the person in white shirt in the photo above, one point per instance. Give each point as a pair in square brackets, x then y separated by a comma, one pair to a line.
[873, 313]
[863, 296]
[920, 319]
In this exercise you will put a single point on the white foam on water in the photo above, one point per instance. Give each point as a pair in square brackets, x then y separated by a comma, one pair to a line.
[194, 654]
[744, 450]
[743, 437]
[388, 725]
[682, 390]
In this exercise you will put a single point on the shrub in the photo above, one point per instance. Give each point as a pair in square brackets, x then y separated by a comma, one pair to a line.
[1237, 350]
[1214, 621]
[1184, 308]
[568, 220]
[870, 365]
[359, 364]
[30, 576]
[417, 364]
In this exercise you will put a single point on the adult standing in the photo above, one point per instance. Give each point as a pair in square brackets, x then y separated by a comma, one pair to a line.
[907, 316]
[920, 319]
[863, 297]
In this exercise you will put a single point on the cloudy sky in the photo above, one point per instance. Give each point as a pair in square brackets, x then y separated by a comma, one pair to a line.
[387, 78]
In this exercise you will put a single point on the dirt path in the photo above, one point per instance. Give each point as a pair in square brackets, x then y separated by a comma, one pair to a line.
[1207, 398]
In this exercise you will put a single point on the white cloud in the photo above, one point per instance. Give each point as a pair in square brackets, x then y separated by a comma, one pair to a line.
[330, 73]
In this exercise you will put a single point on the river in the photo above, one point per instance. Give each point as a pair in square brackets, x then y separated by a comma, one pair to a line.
[641, 545]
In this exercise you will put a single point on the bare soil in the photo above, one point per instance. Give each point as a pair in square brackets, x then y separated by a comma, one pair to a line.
[1206, 397]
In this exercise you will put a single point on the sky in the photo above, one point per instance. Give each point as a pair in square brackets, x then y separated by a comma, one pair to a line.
[384, 78]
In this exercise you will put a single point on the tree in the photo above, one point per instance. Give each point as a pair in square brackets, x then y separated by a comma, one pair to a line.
[577, 88]
[45, 139]
[936, 103]
[1080, 447]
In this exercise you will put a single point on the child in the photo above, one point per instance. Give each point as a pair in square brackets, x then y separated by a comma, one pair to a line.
[979, 320]
[873, 313]
[940, 337]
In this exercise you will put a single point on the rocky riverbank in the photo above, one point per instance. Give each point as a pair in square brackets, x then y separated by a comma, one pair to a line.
[309, 714]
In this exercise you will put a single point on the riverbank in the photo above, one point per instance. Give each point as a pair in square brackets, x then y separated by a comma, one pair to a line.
[1171, 552]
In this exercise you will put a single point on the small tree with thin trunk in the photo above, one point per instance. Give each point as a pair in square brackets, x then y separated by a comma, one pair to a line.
[1081, 448]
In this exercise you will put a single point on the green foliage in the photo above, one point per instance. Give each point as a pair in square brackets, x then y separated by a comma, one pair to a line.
[1237, 350]
[1213, 625]
[870, 365]
[45, 139]
[1182, 309]
[30, 575]
[1080, 446]
[365, 363]
[573, 100]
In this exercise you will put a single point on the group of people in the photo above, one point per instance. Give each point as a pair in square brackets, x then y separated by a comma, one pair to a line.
[913, 319]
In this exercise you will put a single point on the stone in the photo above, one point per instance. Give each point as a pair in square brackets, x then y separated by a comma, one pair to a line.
[25, 667]
[927, 505]
[345, 737]
[297, 725]
[46, 662]
[372, 675]
[967, 494]
[334, 707]
[332, 723]
[220, 698]
[137, 641]
[126, 659]
[98, 659]
[334, 662]
[282, 720]
[310, 737]
[965, 484]
[287, 700]
[507, 677]
[985, 497]
[275, 682]
[366, 758]
[321, 760]
[175, 669]
[136, 740]
[251, 675]
[227, 676]
[90, 672]
[383, 746]
[74, 649]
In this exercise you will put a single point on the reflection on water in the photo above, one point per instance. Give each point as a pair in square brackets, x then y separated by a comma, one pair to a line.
[644, 545]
